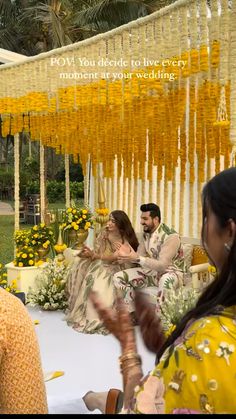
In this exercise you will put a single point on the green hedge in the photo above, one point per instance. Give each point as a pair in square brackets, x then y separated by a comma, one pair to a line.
[56, 190]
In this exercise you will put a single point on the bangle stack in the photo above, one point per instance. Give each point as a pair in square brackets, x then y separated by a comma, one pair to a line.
[129, 356]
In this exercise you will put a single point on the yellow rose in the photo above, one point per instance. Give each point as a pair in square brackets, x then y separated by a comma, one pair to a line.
[7, 289]
[69, 210]
[31, 255]
[84, 217]
[35, 228]
[45, 245]
[20, 264]
[31, 262]
[88, 224]
[24, 256]
[84, 211]
[74, 211]
[33, 241]
[76, 227]
[42, 225]
[36, 236]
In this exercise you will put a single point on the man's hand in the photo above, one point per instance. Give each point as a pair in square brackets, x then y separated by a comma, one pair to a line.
[126, 254]
[150, 324]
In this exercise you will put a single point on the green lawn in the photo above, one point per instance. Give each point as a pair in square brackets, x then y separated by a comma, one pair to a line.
[6, 238]
[7, 232]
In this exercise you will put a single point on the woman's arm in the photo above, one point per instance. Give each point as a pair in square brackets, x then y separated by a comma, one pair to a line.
[119, 324]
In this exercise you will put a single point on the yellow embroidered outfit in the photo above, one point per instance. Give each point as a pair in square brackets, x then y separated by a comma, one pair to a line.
[197, 374]
[22, 388]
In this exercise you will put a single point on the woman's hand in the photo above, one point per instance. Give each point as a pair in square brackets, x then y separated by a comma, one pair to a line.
[117, 321]
[87, 252]
[150, 325]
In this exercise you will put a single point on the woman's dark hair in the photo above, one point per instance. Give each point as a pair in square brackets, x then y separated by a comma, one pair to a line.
[219, 195]
[125, 228]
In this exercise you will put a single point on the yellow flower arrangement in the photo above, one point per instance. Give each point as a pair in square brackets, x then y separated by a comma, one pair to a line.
[77, 218]
[12, 287]
[41, 235]
[60, 247]
[102, 211]
[25, 257]
[21, 237]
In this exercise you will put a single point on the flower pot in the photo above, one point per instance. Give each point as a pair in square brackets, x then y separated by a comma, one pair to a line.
[25, 276]
[81, 236]
[72, 237]
[42, 252]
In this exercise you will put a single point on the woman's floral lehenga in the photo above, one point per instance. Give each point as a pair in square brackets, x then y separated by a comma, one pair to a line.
[87, 275]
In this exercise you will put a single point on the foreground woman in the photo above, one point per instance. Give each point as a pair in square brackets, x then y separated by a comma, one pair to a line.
[22, 389]
[195, 371]
[94, 270]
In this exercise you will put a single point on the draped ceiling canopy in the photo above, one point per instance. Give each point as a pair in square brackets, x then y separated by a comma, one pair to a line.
[159, 91]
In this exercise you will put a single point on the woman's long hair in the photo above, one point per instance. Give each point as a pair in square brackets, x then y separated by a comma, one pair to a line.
[125, 228]
[219, 195]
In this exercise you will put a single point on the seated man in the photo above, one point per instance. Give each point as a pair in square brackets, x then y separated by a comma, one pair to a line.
[159, 259]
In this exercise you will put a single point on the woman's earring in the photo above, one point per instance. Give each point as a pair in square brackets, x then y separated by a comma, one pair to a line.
[227, 247]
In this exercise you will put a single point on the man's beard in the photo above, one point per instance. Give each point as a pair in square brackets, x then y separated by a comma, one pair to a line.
[148, 229]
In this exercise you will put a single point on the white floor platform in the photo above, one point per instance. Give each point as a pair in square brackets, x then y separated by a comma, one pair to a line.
[90, 362]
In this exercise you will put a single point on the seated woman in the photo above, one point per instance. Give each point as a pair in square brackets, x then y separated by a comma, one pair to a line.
[94, 270]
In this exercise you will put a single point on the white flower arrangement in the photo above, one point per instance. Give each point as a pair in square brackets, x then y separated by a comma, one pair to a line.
[175, 305]
[50, 287]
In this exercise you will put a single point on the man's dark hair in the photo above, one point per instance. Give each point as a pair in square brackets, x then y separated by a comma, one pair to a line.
[153, 209]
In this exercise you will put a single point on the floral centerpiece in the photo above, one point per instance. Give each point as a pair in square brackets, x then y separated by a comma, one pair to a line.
[25, 256]
[76, 223]
[42, 239]
[102, 211]
[77, 218]
[50, 290]
[22, 238]
[175, 305]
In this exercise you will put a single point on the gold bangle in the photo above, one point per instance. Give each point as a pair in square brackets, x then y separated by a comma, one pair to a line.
[128, 367]
[129, 355]
[126, 364]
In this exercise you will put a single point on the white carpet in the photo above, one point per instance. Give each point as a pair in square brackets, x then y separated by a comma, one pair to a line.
[90, 362]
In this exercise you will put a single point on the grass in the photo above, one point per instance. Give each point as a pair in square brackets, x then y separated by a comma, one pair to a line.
[6, 238]
[7, 232]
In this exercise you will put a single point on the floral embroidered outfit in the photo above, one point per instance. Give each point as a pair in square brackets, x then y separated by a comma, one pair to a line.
[161, 264]
[197, 373]
[87, 275]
